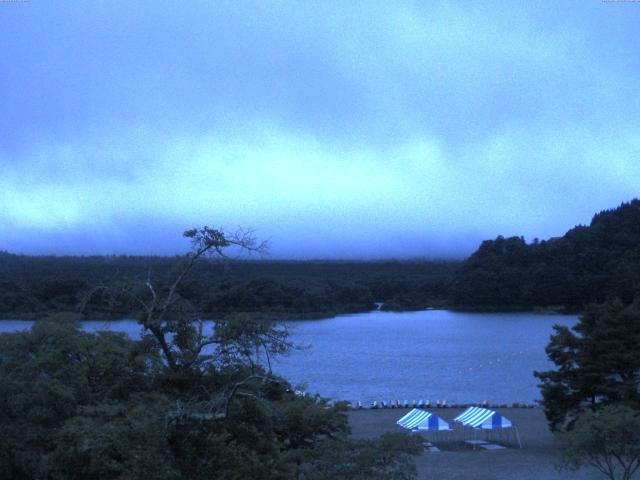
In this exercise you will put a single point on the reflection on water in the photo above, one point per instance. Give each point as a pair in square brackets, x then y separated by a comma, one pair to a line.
[430, 355]
[435, 355]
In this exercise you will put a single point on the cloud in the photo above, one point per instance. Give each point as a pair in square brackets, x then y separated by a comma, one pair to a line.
[338, 129]
[410, 199]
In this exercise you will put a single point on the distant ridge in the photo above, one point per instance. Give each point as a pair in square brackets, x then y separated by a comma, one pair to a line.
[37, 286]
[588, 264]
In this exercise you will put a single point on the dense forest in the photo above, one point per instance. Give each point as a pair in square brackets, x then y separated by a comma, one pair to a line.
[588, 264]
[32, 287]
[182, 404]
[177, 404]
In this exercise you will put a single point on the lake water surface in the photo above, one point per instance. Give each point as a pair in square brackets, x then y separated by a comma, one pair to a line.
[430, 355]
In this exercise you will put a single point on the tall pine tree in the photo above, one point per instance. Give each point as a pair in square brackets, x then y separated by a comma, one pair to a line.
[598, 363]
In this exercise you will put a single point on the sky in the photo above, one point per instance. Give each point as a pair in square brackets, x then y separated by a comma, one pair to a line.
[333, 129]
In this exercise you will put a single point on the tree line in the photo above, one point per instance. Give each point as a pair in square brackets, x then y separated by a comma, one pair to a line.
[37, 286]
[185, 403]
[181, 403]
[588, 264]
[591, 397]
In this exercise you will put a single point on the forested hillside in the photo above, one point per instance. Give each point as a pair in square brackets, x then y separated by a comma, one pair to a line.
[588, 264]
[37, 286]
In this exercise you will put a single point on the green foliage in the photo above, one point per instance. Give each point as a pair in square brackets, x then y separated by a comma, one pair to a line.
[597, 363]
[75, 405]
[37, 286]
[607, 439]
[179, 404]
[588, 264]
[386, 458]
[49, 374]
[123, 440]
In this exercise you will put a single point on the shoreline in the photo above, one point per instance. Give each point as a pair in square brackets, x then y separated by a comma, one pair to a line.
[438, 406]
[456, 460]
[293, 317]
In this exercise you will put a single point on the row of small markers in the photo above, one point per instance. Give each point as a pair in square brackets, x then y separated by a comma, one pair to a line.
[405, 404]
[423, 404]
[438, 404]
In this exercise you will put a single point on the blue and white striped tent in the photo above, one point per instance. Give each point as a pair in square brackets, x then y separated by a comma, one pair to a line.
[478, 417]
[422, 420]
[485, 419]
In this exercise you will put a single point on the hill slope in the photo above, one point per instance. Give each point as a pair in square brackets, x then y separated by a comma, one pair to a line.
[588, 264]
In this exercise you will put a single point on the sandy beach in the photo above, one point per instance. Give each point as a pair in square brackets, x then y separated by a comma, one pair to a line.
[456, 460]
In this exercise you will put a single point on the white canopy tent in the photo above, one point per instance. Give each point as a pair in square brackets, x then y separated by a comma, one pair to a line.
[418, 419]
[480, 418]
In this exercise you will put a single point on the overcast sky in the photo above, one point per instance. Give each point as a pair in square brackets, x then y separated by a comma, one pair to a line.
[336, 129]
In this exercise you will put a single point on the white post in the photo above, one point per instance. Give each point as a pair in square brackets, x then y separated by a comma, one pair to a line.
[518, 437]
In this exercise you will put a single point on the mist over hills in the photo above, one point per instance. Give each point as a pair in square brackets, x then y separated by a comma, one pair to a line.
[589, 263]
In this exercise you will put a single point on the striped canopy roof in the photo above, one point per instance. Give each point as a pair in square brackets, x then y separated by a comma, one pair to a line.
[478, 417]
[422, 420]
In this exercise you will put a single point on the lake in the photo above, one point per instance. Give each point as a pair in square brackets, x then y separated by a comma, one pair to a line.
[430, 355]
